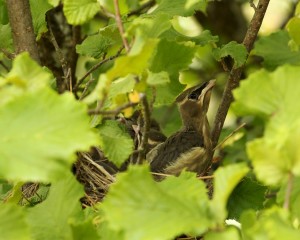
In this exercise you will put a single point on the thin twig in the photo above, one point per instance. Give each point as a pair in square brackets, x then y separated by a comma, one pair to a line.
[64, 63]
[112, 112]
[86, 88]
[141, 8]
[235, 73]
[4, 66]
[92, 69]
[145, 133]
[229, 136]
[7, 54]
[120, 25]
[288, 192]
[252, 5]
[168, 175]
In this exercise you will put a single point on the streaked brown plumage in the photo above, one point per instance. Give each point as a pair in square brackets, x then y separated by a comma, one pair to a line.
[189, 147]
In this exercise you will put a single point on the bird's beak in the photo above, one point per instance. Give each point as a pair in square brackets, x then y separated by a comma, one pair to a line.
[209, 85]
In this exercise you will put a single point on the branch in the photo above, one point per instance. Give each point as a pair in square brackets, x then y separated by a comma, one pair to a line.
[112, 112]
[235, 73]
[120, 25]
[145, 133]
[92, 69]
[288, 192]
[20, 20]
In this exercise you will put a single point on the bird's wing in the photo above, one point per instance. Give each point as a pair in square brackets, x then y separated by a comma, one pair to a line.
[191, 160]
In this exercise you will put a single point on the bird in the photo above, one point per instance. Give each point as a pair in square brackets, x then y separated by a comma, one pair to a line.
[189, 147]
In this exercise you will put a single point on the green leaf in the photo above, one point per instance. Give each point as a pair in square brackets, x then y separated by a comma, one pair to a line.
[145, 209]
[51, 219]
[95, 46]
[275, 50]
[225, 180]
[27, 74]
[237, 51]
[38, 11]
[115, 142]
[109, 6]
[149, 27]
[180, 7]
[6, 41]
[172, 57]
[12, 223]
[80, 11]
[228, 234]
[54, 3]
[275, 154]
[247, 195]
[84, 230]
[271, 224]
[293, 29]
[40, 132]
[158, 78]
[121, 86]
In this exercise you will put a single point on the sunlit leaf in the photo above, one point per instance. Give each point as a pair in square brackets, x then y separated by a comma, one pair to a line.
[79, 11]
[40, 132]
[276, 153]
[275, 50]
[51, 218]
[148, 210]
[225, 180]
[13, 223]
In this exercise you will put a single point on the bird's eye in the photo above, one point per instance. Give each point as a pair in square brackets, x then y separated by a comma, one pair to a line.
[193, 96]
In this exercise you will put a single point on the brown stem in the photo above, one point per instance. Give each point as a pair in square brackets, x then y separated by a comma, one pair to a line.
[92, 69]
[120, 25]
[20, 20]
[112, 112]
[235, 73]
[288, 192]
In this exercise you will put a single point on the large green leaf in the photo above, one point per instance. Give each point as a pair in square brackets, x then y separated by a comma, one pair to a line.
[79, 11]
[38, 11]
[276, 153]
[227, 234]
[51, 219]
[116, 143]
[225, 180]
[145, 209]
[275, 50]
[13, 223]
[40, 132]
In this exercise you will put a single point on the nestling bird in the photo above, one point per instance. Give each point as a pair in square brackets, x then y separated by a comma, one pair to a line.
[189, 147]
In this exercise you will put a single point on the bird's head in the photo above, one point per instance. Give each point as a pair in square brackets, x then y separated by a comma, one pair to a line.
[193, 104]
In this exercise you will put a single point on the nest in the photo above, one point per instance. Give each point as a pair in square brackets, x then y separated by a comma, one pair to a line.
[96, 173]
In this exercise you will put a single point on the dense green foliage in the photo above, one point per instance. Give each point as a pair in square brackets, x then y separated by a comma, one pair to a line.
[258, 182]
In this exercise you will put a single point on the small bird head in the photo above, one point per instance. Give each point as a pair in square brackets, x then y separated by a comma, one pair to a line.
[193, 104]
